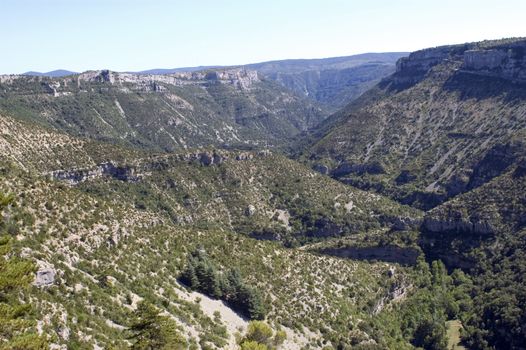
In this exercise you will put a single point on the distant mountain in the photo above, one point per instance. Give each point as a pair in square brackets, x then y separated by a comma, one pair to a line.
[302, 65]
[176, 70]
[54, 73]
[332, 82]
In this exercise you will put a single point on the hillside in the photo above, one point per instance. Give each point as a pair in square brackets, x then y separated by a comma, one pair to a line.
[162, 112]
[260, 194]
[484, 231]
[446, 133]
[332, 82]
[98, 258]
[105, 238]
[447, 121]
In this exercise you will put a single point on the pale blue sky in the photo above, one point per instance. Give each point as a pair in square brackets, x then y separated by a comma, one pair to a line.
[122, 35]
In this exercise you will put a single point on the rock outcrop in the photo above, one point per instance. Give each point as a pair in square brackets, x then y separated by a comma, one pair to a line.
[241, 78]
[250, 211]
[75, 176]
[45, 277]
[391, 253]
[507, 62]
[459, 224]
[400, 223]
[500, 59]
[320, 168]
[135, 172]
[423, 60]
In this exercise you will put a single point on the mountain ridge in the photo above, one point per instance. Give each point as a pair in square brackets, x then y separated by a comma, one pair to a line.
[332, 81]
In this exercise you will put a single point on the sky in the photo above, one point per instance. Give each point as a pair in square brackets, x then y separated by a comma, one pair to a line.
[134, 35]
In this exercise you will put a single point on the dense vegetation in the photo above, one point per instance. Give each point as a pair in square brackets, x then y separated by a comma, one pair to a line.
[202, 275]
[261, 336]
[500, 300]
[494, 257]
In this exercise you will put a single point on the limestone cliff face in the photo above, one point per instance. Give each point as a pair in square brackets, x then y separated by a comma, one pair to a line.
[136, 171]
[457, 223]
[241, 78]
[498, 59]
[423, 59]
[507, 62]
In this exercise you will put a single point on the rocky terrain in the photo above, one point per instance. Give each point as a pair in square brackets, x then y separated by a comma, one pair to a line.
[107, 235]
[227, 107]
[433, 129]
[332, 82]
[446, 133]
[139, 209]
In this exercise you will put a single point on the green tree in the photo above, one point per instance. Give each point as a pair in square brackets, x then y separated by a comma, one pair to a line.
[189, 277]
[430, 335]
[202, 275]
[151, 331]
[261, 336]
[16, 324]
[260, 332]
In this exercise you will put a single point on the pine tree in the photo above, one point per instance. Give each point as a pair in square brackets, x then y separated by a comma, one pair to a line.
[189, 276]
[202, 275]
[150, 330]
[16, 326]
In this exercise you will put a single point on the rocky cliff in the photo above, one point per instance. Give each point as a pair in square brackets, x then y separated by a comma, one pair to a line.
[332, 82]
[138, 169]
[240, 78]
[508, 62]
[502, 59]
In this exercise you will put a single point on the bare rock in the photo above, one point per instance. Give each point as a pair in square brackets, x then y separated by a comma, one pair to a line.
[45, 277]
[459, 224]
[244, 156]
[322, 169]
[484, 59]
[405, 223]
[508, 62]
[250, 211]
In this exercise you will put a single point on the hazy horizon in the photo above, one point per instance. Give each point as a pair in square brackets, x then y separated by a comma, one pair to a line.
[213, 65]
[135, 35]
